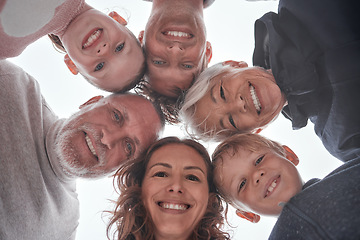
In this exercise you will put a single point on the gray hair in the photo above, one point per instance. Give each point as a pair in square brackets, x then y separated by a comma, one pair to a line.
[197, 91]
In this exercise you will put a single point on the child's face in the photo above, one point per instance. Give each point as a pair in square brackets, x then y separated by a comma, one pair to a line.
[103, 50]
[257, 181]
[240, 101]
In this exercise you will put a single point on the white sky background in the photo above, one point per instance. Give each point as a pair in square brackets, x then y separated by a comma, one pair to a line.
[230, 25]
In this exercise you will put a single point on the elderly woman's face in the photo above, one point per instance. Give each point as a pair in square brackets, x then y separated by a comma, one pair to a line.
[240, 101]
[175, 190]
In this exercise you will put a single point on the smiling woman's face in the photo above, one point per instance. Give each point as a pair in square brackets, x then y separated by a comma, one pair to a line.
[175, 190]
[240, 101]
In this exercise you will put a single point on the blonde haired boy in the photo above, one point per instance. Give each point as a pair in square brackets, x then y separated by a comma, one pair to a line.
[259, 176]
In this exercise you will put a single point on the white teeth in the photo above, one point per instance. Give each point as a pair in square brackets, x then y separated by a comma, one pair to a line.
[92, 38]
[178, 34]
[255, 99]
[174, 206]
[272, 186]
[90, 145]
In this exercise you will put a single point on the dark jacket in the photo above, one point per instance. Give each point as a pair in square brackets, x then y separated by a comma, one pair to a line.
[313, 49]
[324, 209]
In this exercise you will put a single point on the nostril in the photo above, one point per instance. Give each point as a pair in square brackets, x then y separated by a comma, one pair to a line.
[257, 181]
[105, 45]
[262, 174]
[98, 51]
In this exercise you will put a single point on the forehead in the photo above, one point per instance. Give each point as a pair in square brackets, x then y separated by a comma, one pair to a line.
[178, 155]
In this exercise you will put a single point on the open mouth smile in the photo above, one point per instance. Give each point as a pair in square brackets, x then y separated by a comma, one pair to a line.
[271, 187]
[255, 99]
[178, 34]
[174, 206]
[90, 145]
[89, 40]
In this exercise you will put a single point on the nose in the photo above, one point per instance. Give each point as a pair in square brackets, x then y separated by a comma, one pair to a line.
[175, 47]
[258, 175]
[239, 103]
[111, 137]
[103, 48]
[175, 186]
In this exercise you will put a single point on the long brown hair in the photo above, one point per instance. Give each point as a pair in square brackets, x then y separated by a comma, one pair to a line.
[132, 219]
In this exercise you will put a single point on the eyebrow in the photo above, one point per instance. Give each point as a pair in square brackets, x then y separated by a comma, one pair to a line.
[169, 166]
[161, 164]
[194, 167]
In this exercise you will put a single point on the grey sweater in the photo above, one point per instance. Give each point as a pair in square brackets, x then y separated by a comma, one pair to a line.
[37, 200]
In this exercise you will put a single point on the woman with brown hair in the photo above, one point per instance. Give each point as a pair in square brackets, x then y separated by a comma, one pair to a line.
[168, 194]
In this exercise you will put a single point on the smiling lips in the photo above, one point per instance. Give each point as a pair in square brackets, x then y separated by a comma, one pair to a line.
[271, 188]
[178, 34]
[255, 99]
[174, 206]
[92, 38]
[90, 145]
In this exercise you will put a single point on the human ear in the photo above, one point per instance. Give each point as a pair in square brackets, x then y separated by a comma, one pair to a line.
[114, 15]
[291, 156]
[236, 64]
[91, 101]
[252, 217]
[71, 65]
[208, 52]
[141, 37]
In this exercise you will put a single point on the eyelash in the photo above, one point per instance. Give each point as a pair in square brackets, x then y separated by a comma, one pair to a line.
[99, 66]
[258, 161]
[160, 173]
[242, 184]
[119, 47]
[158, 62]
[231, 120]
[222, 95]
[129, 149]
[118, 117]
[187, 66]
[195, 178]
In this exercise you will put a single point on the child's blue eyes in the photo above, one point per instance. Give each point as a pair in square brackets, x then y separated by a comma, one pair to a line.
[242, 184]
[99, 66]
[120, 47]
[259, 160]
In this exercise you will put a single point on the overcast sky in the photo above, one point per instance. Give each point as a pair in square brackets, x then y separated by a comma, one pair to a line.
[230, 25]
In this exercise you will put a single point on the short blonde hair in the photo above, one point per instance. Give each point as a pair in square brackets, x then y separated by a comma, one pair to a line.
[248, 141]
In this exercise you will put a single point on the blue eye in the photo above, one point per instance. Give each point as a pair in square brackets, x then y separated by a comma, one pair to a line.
[129, 149]
[259, 160]
[158, 62]
[242, 184]
[99, 66]
[120, 47]
[188, 66]
[118, 117]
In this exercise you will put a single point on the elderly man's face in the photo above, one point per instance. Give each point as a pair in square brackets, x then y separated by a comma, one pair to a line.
[175, 46]
[107, 132]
